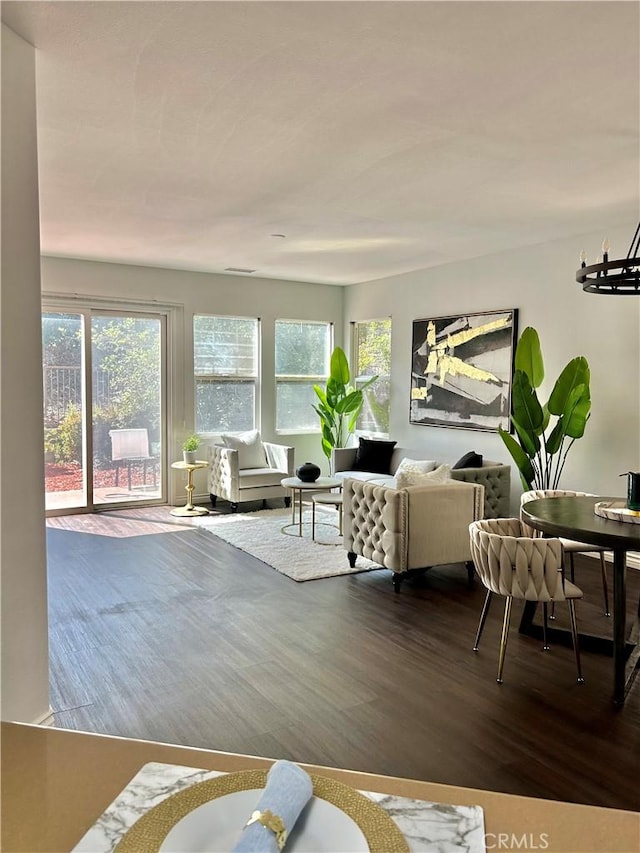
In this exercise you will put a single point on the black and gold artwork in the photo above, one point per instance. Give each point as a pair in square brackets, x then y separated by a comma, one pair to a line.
[461, 370]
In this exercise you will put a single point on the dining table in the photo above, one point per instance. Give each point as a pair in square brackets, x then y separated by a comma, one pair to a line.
[575, 518]
[56, 784]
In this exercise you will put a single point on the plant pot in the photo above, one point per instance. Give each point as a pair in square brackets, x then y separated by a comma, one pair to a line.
[308, 472]
[189, 456]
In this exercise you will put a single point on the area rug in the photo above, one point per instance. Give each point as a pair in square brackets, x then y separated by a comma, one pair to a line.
[299, 558]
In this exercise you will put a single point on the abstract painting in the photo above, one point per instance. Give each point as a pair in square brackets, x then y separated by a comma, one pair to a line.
[461, 370]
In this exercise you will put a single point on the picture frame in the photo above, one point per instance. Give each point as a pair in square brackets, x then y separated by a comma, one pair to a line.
[462, 370]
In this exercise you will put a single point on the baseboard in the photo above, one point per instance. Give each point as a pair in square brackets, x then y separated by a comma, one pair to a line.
[45, 719]
[633, 557]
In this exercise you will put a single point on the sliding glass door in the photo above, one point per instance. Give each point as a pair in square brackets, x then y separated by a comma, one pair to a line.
[65, 417]
[103, 376]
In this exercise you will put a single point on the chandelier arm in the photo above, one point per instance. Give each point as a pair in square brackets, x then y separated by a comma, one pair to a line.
[634, 248]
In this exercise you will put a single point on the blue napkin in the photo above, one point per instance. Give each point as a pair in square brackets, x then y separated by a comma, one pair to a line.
[288, 790]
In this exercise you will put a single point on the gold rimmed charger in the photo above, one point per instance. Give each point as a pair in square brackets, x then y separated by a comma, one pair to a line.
[148, 832]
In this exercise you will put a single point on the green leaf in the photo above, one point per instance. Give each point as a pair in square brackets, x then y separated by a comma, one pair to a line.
[335, 391]
[349, 403]
[529, 440]
[528, 357]
[339, 370]
[527, 410]
[321, 393]
[546, 417]
[327, 447]
[577, 412]
[575, 373]
[368, 382]
[327, 434]
[519, 457]
[555, 439]
[354, 417]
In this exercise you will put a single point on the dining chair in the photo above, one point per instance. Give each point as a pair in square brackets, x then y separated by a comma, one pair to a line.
[570, 546]
[512, 563]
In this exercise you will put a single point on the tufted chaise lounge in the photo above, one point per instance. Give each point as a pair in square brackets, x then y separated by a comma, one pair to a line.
[412, 528]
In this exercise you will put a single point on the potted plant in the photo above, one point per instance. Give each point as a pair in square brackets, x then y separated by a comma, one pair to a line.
[339, 403]
[541, 454]
[189, 448]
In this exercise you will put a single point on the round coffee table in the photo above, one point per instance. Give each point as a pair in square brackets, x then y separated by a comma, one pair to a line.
[297, 487]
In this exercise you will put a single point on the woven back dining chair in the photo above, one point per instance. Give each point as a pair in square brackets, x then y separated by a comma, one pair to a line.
[570, 546]
[512, 563]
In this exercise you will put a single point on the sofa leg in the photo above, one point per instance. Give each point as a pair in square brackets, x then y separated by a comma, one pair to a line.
[214, 498]
[470, 572]
[352, 559]
[397, 581]
[234, 507]
[287, 501]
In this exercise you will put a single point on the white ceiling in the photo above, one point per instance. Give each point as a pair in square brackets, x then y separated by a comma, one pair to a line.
[379, 137]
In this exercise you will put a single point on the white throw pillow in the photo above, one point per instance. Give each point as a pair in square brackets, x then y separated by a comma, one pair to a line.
[442, 474]
[415, 466]
[251, 452]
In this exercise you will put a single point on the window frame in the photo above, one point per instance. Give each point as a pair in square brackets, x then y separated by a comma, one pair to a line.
[315, 379]
[222, 378]
[357, 378]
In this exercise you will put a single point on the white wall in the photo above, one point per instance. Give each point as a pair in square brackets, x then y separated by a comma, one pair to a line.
[25, 664]
[189, 293]
[540, 282]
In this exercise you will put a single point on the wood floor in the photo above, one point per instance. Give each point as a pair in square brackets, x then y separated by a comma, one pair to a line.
[177, 636]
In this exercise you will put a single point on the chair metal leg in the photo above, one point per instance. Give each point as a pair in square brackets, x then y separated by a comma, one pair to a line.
[573, 568]
[605, 584]
[574, 636]
[552, 614]
[545, 613]
[503, 638]
[483, 619]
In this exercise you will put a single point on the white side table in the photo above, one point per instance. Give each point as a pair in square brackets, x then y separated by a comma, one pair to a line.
[189, 508]
[298, 486]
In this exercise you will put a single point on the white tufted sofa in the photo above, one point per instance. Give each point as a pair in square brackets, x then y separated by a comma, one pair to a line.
[227, 480]
[412, 528]
[494, 476]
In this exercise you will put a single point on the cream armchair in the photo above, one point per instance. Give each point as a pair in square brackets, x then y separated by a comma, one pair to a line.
[410, 529]
[235, 484]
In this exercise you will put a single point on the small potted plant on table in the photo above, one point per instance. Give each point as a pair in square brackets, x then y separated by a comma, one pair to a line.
[189, 449]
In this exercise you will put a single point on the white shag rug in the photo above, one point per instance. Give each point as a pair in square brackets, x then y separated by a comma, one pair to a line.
[300, 558]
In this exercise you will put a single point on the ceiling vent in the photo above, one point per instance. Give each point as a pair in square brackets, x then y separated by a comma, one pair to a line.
[236, 269]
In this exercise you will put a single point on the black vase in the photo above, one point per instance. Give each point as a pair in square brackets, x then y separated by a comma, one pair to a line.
[308, 473]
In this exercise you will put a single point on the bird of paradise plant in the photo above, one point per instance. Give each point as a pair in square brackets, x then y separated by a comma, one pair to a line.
[541, 455]
[339, 403]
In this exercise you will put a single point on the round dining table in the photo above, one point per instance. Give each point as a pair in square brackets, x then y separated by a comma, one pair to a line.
[575, 518]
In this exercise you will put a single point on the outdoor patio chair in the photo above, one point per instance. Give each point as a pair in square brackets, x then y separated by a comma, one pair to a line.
[130, 447]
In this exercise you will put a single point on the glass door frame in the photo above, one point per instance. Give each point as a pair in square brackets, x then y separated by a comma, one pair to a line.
[88, 308]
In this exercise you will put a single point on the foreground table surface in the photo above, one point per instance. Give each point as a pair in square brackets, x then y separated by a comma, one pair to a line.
[56, 783]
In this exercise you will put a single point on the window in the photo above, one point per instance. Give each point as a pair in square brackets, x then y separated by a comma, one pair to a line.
[372, 357]
[225, 357]
[302, 360]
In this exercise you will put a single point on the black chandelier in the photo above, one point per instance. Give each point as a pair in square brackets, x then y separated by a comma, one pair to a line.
[617, 277]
